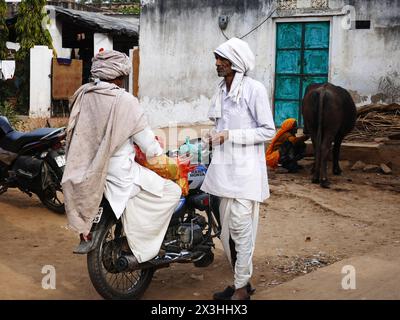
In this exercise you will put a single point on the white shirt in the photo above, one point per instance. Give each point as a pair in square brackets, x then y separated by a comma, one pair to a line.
[125, 177]
[238, 167]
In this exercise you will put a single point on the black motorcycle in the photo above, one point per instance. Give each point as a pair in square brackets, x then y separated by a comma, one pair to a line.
[33, 162]
[189, 239]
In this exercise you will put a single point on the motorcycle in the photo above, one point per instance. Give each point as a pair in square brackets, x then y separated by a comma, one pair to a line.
[189, 239]
[33, 162]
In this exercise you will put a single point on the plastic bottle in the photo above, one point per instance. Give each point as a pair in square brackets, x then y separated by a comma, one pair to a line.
[190, 149]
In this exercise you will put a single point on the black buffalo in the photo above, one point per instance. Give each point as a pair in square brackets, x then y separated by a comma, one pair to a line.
[329, 114]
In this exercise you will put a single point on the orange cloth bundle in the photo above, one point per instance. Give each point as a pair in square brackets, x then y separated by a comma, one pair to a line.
[272, 154]
[169, 168]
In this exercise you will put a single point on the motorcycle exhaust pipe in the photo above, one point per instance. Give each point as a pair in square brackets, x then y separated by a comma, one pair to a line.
[129, 262]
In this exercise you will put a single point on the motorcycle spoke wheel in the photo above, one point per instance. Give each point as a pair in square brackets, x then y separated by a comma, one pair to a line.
[123, 282]
[111, 284]
[54, 199]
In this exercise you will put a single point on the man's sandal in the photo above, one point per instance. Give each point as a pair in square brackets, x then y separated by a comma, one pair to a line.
[229, 291]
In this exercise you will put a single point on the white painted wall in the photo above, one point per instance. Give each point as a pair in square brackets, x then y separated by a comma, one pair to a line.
[177, 77]
[130, 81]
[40, 82]
[55, 28]
[361, 59]
[177, 73]
[102, 40]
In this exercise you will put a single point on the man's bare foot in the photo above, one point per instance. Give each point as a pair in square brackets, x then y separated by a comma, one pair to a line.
[86, 238]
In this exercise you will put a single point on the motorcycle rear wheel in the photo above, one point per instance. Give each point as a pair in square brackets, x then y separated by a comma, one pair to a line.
[112, 285]
[52, 197]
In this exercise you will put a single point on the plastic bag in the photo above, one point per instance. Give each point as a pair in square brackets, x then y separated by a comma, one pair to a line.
[172, 168]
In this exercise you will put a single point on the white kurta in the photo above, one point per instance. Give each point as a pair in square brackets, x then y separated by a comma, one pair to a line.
[146, 220]
[145, 200]
[238, 166]
[125, 177]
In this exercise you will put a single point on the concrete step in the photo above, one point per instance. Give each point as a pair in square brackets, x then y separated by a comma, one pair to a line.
[387, 152]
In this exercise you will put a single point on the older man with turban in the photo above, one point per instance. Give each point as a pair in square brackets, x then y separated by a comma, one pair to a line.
[237, 173]
[104, 123]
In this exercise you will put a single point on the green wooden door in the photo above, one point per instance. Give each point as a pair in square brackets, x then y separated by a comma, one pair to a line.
[302, 58]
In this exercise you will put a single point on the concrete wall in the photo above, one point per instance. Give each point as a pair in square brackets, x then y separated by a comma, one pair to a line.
[40, 82]
[177, 72]
[177, 75]
[367, 62]
[55, 28]
[102, 41]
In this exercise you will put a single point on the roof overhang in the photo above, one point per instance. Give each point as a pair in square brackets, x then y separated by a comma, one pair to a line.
[98, 22]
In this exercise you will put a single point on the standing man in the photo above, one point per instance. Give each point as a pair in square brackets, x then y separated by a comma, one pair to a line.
[237, 173]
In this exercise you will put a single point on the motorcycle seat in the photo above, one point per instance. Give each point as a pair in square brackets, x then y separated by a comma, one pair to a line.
[15, 140]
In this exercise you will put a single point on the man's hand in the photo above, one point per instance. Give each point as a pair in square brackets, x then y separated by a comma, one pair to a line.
[160, 141]
[157, 160]
[206, 137]
[219, 138]
[305, 137]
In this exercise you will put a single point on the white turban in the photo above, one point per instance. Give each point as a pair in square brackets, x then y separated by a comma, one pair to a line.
[242, 58]
[109, 65]
[238, 53]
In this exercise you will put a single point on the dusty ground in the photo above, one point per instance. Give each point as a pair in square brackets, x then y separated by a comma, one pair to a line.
[302, 227]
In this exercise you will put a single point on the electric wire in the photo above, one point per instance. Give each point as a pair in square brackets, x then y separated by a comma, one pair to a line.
[255, 28]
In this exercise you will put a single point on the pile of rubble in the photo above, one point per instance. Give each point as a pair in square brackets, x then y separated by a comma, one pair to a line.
[302, 265]
[376, 121]
[371, 168]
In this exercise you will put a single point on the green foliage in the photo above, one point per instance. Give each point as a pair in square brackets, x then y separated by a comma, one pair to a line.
[31, 15]
[130, 10]
[3, 29]
[22, 73]
[8, 111]
[125, 1]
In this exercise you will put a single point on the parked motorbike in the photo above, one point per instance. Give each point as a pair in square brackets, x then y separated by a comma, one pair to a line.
[189, 239]
[33, 162]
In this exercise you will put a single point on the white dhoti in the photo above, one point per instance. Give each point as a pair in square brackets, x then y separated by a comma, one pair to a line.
[239, 219]
[146, 219]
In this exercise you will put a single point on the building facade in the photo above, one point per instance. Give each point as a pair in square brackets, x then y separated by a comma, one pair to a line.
[351, 43]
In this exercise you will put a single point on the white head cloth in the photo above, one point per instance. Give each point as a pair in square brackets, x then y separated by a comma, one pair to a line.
[242, 58]
[109, 65]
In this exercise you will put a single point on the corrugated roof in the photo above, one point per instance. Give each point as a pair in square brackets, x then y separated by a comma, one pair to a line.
[100, 22]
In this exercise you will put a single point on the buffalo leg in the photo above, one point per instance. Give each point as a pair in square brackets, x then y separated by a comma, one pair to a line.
[335, 155]
[325, 146]
[316, 164]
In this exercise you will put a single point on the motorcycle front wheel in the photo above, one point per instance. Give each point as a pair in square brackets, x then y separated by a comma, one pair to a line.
[109, 283]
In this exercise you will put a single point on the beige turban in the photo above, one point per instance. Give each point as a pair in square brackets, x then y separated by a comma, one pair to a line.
[109, 65]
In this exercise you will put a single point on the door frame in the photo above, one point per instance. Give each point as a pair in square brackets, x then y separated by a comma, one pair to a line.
[298, 20]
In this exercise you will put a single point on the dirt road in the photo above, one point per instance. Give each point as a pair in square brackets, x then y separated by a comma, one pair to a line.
[302, 228]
